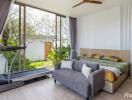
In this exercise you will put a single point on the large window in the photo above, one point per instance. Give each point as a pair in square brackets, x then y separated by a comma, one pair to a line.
[40, 31]
[13, 35]
[64, 32]
[12, 26]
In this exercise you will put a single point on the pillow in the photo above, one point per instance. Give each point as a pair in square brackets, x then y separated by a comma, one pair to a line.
[105, 58]
[86, 70]
[77, 65]
[112, 58]
[96, 56]
[66, 64]
[93, 66]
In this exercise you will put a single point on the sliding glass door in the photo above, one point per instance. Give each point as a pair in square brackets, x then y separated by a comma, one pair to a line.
[13, 36]
[40, 31]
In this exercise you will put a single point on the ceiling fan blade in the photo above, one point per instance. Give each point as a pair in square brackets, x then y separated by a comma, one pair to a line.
[96, 2]
[78, 4]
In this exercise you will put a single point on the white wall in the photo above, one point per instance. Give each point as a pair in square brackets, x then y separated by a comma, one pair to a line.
[99, 30]
[35, 50]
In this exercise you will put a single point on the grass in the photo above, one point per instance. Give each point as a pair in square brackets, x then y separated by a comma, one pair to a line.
[41, 64]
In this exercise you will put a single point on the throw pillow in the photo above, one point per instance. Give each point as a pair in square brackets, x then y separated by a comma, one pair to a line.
[115, 59]
[96, 56]
[86, 70]
[66, 64]
[112, 58]
[93, 66]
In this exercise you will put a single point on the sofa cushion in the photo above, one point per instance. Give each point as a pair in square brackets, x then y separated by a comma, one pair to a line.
[61, 74]
[77, 65]
[94, 66]
[73, 80]
[86, 70]
[66, 64]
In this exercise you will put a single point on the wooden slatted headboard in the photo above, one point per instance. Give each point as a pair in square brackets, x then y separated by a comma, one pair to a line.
[123, 54]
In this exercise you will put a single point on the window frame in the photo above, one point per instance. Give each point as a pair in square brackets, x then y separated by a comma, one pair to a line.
[24, 27]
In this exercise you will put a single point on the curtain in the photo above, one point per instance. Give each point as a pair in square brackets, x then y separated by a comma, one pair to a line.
[131, 34]
[73, 36]
[4, 10]
[125, 17]
[126, 27]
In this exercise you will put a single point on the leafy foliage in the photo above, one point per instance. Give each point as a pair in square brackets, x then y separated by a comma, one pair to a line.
[34, 26]
[15, 67]
[60, 54]
[41, 64]
[10, 38]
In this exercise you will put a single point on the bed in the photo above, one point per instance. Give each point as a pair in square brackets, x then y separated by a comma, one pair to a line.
[112, 80]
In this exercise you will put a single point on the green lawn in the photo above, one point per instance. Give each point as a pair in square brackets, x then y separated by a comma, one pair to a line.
[41, 64]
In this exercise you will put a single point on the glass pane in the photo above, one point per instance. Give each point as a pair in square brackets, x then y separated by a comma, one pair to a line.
[11, 30]
[65, 42]
[64, 32]
[40, 37]
[10, 36]
[58, 31]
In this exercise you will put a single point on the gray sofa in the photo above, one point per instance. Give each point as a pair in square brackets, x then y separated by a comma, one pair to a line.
[77, 82]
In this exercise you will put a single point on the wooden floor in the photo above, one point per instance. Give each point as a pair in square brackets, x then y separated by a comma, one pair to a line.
[47, 90]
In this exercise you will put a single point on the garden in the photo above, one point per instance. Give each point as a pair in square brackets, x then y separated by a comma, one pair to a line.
[13, 35]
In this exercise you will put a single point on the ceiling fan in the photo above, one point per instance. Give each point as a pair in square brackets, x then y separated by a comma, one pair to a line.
[88, 1]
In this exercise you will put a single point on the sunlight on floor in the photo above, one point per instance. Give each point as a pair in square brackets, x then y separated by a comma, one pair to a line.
[41, 64]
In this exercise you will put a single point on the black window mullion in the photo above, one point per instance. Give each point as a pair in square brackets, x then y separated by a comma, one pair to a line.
[60, 31]
[20, 25]
[24, 34]
[24, 26]
[56, 32]
[20, 17]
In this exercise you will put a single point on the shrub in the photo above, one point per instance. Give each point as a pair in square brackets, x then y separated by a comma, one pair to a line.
[15, 67]
[60, 54]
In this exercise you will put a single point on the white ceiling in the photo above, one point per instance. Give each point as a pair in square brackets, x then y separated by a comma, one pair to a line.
[65, 6]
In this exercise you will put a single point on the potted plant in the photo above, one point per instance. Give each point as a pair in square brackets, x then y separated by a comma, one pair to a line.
[59, 54]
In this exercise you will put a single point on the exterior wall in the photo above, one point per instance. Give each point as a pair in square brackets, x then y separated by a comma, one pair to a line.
[35, 50]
